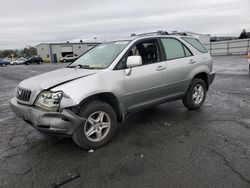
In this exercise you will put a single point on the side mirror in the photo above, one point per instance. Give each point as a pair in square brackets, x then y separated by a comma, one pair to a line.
[134, 61]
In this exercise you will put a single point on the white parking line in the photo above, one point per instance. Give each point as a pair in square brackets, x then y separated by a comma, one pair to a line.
[7, 118]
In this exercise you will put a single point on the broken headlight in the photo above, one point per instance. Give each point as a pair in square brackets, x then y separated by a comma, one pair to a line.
[48, 100]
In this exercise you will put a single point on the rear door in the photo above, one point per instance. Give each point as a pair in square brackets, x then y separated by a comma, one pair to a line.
[180, 62]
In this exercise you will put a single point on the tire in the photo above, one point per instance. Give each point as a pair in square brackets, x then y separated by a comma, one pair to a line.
[15, 63]
[189, 100]
[64, 61]
[91, 111]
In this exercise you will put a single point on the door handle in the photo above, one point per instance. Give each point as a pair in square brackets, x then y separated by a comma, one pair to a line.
[192, 61]
[160, 67]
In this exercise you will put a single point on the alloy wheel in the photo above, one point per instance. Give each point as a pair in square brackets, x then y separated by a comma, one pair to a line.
[198, 94]
[97, 126]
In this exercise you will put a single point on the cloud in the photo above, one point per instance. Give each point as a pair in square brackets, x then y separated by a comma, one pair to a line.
[30, 22]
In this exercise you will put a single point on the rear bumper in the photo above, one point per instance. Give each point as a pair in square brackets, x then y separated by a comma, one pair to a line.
[211, 77]
[56, 123]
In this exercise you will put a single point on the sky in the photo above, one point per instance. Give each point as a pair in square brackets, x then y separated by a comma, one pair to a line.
[30, 22]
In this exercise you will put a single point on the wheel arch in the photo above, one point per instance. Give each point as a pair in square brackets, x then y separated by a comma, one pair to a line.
[203, 76]
[107, 97]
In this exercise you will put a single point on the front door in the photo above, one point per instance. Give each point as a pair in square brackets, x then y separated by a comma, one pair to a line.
[145, 84]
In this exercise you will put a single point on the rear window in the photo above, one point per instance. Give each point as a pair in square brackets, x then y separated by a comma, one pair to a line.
[196, 44]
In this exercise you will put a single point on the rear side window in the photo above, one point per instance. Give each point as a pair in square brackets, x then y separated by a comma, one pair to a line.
[174, 49]
[196, 44]
[187, 51]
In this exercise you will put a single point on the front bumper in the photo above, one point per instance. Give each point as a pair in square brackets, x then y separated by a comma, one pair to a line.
[211, 77]
[57, 123]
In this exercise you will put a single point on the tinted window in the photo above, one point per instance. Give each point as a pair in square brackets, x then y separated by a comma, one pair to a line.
[173, 48]
[196, 43]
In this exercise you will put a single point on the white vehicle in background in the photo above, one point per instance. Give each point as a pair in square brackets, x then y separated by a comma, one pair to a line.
[69, 58]
[18, 61]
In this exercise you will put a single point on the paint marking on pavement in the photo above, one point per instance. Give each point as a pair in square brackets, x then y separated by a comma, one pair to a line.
[7, 118]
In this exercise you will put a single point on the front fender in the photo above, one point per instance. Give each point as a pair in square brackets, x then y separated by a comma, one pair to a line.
[80, 89]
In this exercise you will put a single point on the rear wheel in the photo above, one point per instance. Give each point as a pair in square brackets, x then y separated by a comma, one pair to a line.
[195, 95]
[99, 127]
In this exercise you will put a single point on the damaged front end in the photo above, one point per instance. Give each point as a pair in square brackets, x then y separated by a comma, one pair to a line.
[62, 122]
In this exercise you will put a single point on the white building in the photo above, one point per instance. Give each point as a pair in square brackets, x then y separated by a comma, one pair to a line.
[53, 52]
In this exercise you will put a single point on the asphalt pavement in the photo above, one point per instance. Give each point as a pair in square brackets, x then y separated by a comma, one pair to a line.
[164, 146]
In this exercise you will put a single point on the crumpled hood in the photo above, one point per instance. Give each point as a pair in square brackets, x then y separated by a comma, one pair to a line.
[54, 78]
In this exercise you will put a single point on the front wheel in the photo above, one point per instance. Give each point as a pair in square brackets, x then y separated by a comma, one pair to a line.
[196, 94]
[99, 127]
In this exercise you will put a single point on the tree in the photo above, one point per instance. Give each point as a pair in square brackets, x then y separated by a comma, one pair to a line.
[28, 52]
[8, 53]
[243, 34]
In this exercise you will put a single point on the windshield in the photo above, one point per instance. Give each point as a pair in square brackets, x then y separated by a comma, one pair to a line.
[101, 56]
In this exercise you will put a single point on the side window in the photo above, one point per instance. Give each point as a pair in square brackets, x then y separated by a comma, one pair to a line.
[187, 51]
[148, 50]
[196, 44]
[173, 48]
[133, 51]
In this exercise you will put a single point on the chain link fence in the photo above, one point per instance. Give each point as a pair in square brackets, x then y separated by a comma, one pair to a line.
[232, 47]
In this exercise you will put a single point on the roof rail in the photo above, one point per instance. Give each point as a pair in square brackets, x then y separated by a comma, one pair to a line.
[179, 33]
[159, 33]
[150, 33]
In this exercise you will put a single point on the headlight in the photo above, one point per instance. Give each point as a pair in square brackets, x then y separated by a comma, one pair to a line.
[48, 100]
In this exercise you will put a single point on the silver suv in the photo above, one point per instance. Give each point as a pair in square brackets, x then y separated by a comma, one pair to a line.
[87, 99]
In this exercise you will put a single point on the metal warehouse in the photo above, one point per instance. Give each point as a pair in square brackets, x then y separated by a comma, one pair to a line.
[53, 52]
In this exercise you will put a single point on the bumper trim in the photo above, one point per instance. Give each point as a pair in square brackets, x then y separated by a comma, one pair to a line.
[58, 123]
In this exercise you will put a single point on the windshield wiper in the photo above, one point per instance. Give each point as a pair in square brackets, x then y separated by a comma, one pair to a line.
[83, 67]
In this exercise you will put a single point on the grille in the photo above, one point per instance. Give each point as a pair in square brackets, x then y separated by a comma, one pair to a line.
[23, 94]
